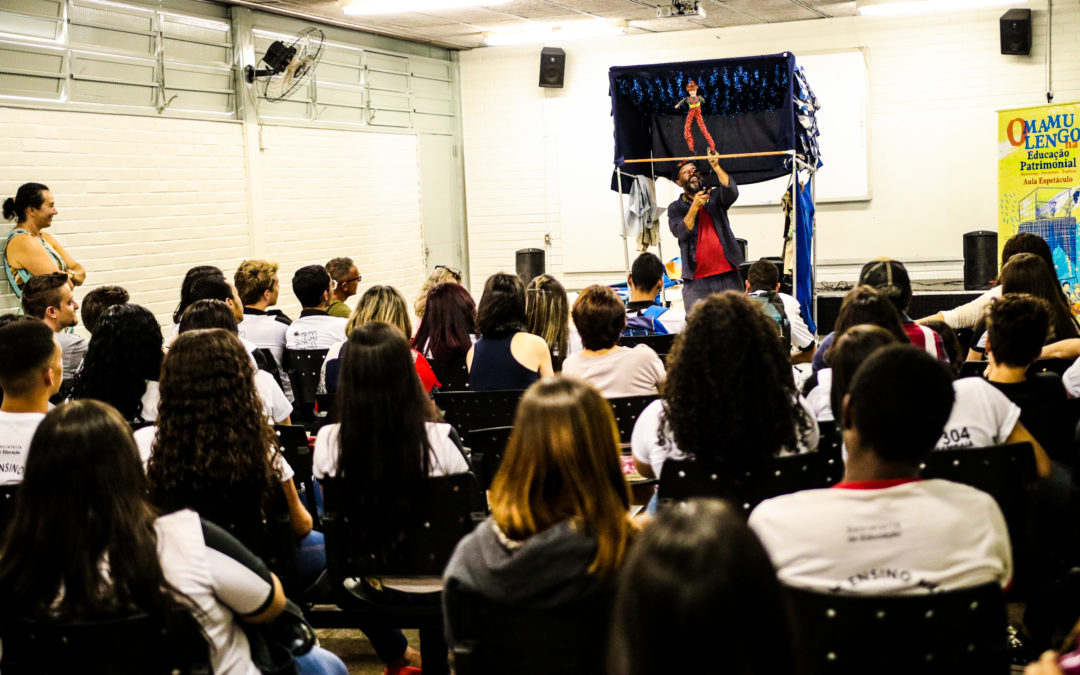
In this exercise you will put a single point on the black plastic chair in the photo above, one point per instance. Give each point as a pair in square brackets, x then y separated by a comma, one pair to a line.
[293, 440]
[960, 631]
[264, 360]
[326, 409]
[468, 410]
[137, 644]
[487, 636]
[746, 486]
[627, 409]
[830, 446]
[449, 508]
[303, 367]
[973, 368]
[1058, 366]
[453, 375]
[661, 344]
[486, 447]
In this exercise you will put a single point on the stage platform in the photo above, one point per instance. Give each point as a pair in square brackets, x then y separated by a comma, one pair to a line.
[929, 296]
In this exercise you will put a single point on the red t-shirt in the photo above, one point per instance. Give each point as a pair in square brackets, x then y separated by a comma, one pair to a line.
[710, 252]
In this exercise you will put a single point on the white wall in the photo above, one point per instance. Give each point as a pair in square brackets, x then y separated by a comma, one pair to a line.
[142, 199]
[538, 161]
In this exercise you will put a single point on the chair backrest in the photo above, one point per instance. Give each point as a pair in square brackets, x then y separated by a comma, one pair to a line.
[264, 360]
[627, 409]
[449, 507]
[326, 407]
[138, 644]
[1058, 366]
[951, 632]
[568, 640]
[745, 486]
[453, 375]
[661, 344]
[303, 367]
[293, 440]
[972, 368]
[468, 410]
[830, 446]
[7, 504]
[486, 447]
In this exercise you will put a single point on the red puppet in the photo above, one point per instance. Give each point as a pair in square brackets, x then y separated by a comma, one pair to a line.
[693, 101]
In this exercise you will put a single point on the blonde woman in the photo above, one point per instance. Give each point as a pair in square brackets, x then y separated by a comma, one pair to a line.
[384, 304]
[559, 526]
[440, 275]
[547, 314]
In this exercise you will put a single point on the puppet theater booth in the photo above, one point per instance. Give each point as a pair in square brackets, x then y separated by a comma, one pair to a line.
[757, 112]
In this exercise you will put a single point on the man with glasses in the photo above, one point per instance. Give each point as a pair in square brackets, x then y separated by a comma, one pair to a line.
[698, 218]
[346, 280]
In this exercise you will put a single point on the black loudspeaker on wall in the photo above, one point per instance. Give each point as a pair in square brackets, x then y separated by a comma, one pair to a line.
[552, 67]
[1016, 32]
[980, 260]
[529, 263]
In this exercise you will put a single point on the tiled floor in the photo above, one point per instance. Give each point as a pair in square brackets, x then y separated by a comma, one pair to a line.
[355, 650]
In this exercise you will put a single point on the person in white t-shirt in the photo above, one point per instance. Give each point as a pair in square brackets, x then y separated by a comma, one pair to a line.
[129, 560]
[31, 370]
[123, 363]
[763, 284]
[883, 530]
[600, 317]
[729, 396]
[315, 329]
[257, 284]
[383, 447]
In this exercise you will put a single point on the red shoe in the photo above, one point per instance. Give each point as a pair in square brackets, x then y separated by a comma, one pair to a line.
[402, 670]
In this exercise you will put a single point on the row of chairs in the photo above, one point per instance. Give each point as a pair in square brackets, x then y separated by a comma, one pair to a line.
[1058, 366]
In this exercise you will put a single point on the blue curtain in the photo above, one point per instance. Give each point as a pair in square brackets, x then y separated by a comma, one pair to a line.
[804, 248]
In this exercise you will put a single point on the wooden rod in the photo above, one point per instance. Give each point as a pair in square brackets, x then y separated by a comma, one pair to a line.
[695, 157]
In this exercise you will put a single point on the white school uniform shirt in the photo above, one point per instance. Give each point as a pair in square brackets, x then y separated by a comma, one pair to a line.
[647, 449]
[265, 332]
[1071, 379]
[144, 441]
[820, 397]
[886, 537]
[446, 457]
[981, 416]
[316, 331]
[16, 432]
[150, 399]
[275, 405]
[801, 337]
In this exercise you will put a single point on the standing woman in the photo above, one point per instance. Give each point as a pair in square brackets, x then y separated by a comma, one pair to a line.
[548, 314]
[28, 249]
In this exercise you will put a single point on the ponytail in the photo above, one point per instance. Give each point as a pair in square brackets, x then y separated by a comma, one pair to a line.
[29, 194]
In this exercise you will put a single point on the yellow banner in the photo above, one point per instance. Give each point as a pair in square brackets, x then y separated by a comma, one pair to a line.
[1039, 182]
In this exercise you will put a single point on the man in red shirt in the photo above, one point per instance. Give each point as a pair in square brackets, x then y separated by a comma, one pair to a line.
[698, 218]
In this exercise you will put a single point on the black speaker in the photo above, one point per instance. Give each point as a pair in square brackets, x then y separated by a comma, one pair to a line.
[552, 66]
[980, 260]
[530, 264]
[1016, 32]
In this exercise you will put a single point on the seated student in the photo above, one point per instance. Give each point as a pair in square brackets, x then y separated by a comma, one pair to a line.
[30, 373]
[192, 275]
[891, 278]
[845, 356]
[315, 329]
[952, 343]
[730, 394]
[506, 356]
[645, 282]
[447, 332]
[861, 305]
[1016, 326]
[257, 284]
[382, 449]
[109, 555]
[123, 363]
[440, 275]
[600, 317]
[97, 301]
[378, 303]
[206, 314]
[882, 530]
[346, 277]
[763, 284]
[697, 575]
[544, 548]
[48, 297]
[547, 314]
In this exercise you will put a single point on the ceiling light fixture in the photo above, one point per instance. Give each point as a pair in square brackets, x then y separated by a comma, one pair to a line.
[368, 7]
[930, 6]
[578, 30]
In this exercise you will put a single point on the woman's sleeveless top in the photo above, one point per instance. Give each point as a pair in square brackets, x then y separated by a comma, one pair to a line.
[19, 277]
[494, 367]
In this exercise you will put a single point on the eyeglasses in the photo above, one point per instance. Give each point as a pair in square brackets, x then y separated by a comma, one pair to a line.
[357, 278]
[452, 270]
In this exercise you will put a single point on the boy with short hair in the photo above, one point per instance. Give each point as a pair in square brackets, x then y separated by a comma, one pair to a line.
[31, 370]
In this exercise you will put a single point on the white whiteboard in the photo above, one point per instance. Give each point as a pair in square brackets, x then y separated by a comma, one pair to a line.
[839, 80]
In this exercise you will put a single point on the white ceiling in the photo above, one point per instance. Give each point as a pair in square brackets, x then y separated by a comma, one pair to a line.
[462, 28]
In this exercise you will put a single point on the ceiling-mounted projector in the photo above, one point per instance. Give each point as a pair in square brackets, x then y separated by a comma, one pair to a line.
[679, 9]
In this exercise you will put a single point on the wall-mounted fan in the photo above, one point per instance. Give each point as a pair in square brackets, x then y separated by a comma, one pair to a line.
[287, 65]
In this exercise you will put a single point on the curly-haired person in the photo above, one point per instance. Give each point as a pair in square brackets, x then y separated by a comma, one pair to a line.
[730, 395]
